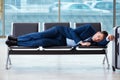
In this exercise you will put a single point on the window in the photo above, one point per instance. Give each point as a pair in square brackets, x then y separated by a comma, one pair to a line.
[28, 11]
[48, 11]
[88, 14]
[1, 20]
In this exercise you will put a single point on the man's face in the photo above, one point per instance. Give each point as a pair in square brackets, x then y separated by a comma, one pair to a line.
[98, 37]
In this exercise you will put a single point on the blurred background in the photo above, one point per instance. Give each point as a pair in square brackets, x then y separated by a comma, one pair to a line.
[59, 11]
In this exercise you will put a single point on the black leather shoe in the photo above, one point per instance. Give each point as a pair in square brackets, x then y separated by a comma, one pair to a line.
[11, 43]
[12, 38]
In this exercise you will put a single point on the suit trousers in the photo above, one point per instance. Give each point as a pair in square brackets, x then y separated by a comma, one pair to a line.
[50, 37]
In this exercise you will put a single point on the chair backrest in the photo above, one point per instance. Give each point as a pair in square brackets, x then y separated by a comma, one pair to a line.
[97, 26]
[49, 25]
[24, 28]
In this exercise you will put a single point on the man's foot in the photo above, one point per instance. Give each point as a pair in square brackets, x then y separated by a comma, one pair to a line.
[12, 38]
[11, 43]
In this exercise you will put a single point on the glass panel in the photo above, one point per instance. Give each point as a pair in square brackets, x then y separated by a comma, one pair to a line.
[88, 11]
[70, 11]
[118, 13]
[28, 11]
[1, 12]
[0, 28]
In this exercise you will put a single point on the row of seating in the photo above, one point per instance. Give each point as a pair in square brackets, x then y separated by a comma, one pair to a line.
[24, 28]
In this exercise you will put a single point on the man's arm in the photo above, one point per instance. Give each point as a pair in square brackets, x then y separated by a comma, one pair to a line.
[106, 41]
[103, 43]
[83, 32]
[110, 37]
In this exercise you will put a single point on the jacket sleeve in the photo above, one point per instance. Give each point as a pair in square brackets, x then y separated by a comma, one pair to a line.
[82, 28]
[75, 36]
[103, 43]
[83, 32]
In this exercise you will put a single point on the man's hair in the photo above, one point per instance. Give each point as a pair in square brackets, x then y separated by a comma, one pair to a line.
[105, 33]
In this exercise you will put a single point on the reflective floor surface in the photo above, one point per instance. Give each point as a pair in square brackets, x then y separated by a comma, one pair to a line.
[56, 67]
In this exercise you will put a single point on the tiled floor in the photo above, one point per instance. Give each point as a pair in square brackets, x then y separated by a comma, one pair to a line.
[55, 67]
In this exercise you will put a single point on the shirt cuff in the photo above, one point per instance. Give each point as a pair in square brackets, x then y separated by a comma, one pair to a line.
[107, 39]
[79, 42]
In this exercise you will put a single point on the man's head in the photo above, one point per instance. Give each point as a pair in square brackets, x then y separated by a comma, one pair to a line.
[99, 36]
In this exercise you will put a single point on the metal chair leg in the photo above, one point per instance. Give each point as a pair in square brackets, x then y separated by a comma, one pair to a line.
[107, 61]
[8, 62]
[104, 60]
[106, 57]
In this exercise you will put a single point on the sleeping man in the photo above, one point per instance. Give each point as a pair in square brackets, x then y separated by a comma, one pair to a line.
[84, 35]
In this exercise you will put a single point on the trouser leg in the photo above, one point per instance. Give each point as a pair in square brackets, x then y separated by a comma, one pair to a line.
[43, 42]
[50, 33]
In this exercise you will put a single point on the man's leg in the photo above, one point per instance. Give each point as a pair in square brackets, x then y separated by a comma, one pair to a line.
[42, 42]
[50, 33]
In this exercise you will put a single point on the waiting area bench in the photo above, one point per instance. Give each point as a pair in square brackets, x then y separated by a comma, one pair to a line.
[24, 28]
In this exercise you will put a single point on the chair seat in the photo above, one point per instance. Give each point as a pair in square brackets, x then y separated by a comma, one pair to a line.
[58, 48]
[91, 48]
[20, 48]
[53, 48]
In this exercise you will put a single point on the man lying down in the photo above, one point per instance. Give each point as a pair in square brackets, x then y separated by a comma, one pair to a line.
[84, 35]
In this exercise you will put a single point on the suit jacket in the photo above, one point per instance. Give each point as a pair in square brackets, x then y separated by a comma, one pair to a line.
[56, 36]
[83, 32]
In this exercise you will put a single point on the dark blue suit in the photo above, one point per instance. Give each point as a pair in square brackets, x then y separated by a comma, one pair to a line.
[56, 36]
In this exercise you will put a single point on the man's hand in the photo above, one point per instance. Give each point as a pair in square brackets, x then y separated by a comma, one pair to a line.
[110, 37]
[85, 43]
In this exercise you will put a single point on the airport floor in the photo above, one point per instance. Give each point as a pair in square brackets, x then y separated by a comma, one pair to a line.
[56, 67]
